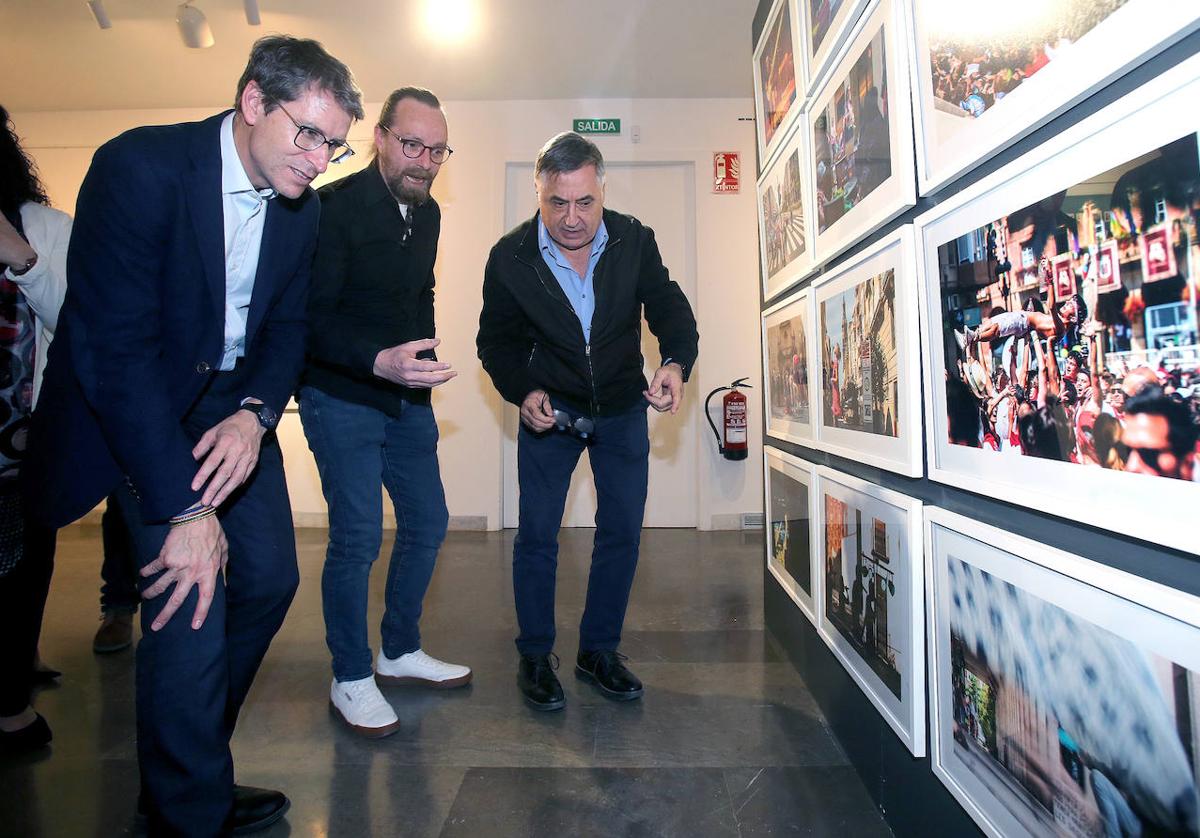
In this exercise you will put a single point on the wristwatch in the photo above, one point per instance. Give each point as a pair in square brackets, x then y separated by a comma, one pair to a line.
[26, 268]
[267, 417]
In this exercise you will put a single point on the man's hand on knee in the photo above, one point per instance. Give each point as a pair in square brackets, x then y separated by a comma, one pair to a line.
[192, 555]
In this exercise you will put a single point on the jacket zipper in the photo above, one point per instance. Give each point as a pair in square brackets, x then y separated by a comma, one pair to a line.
[587, 346]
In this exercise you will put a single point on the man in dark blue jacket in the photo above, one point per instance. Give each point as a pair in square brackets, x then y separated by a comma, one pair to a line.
[560, 336]
[180, 340]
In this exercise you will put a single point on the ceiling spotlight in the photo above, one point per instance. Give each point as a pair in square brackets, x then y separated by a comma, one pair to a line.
[193, 27]
[101, 16]
[252, 16]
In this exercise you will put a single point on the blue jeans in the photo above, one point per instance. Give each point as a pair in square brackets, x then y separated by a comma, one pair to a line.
[358, 448]
[619, 452]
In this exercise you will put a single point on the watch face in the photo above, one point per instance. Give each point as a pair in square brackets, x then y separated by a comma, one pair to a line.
[268, 417]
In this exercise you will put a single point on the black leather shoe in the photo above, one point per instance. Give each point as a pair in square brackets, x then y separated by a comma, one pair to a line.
[608, 672]
[34, 735]
[539, 684]
[253, 809]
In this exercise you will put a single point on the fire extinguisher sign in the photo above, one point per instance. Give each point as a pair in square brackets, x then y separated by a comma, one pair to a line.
[727, 172]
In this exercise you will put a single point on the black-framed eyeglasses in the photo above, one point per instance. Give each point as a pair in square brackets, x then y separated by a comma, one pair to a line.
[413, 148]
[310, 139]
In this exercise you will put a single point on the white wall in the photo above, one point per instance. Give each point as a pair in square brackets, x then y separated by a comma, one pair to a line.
[470, 189]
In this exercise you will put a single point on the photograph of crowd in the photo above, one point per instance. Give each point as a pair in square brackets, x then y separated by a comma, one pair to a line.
[978, 58]
[866, 569]
[782, 198]
[821, 14]
[859, 386]
[787, 368]
[1070, 326]
[1071, 729]
[791, 527]
[776, 75]
[851, 141]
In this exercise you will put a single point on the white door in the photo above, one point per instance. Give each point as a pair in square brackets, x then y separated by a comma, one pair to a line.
[662, 196]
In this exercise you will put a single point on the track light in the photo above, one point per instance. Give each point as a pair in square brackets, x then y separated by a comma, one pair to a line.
[252, 16]
[98, 12]
[193, 27]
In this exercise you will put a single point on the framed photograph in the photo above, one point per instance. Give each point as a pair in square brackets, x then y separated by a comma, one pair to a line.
[778, 88]
[867, 357]
[860, 133]
[826, 23]
[1064, 695]
[784, 220]
[983, 81]
[872, 609]
[1066, 379]
[790, 552]
[787, 365]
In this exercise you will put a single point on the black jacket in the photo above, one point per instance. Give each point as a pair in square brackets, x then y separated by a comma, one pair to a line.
[529, 337]
[370, 289]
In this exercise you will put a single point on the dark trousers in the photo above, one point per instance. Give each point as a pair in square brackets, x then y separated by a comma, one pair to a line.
[23, 592]
[118, 573]
[358, 449]
[619, 453]
[191, 683]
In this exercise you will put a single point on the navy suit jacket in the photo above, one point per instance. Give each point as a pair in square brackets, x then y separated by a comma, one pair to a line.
[142, 328]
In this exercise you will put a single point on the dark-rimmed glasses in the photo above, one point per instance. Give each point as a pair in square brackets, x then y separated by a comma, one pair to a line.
[413, 148]
[310, 139]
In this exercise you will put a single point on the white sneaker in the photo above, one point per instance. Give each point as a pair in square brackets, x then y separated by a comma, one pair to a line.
[418, 668]
[363, 708]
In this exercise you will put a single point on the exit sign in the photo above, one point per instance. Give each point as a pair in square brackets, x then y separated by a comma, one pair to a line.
[597, 126]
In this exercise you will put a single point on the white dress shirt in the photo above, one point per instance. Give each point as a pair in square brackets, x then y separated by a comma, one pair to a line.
[245, 210]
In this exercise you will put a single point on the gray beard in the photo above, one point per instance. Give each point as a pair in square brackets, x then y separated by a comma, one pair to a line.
[406, 194]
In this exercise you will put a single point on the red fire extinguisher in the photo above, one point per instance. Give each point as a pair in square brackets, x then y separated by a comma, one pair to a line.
[733, 445]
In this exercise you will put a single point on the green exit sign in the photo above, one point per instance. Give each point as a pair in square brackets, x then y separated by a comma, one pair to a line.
[597, 126]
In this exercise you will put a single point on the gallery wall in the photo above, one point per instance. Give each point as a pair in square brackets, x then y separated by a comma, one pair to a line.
[470, 188]
[1072, 546]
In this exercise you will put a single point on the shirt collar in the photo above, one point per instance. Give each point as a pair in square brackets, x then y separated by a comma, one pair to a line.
[233, 174]
[547, 244]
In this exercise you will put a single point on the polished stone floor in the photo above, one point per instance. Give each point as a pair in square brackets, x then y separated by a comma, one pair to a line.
[726, 742]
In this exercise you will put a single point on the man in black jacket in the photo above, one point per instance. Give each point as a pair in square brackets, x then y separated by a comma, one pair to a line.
[560, 336]
[366, 410]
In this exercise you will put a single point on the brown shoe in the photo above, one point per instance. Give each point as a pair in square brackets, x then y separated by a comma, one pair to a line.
[115, 633]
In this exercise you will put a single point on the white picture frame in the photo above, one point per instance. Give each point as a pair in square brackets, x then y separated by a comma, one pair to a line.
[826, 23]
[780, 466]
[842, 415]
[1156, 509]
[858, 188]
[770, 130]
[1046, 670]
[786, 247]
[951, 138]
[893, 677]
[789, 401]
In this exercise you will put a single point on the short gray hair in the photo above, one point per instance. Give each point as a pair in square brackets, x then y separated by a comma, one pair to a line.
[284, 67]
[567, 152]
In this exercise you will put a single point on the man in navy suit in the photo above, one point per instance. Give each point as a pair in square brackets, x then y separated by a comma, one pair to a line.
[180, 340]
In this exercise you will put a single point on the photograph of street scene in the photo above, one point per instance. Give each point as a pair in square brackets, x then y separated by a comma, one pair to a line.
[791, 528]
[866, 569]
[821, 14]
[977, 58]
[787, 367]
[777, 74]
[783, 213]
[858, 357]
[1070, 326]
[1075, 731]
[851, 141]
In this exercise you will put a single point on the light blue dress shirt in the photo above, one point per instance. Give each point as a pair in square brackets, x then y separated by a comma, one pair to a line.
[580, 291]
[245, 210]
